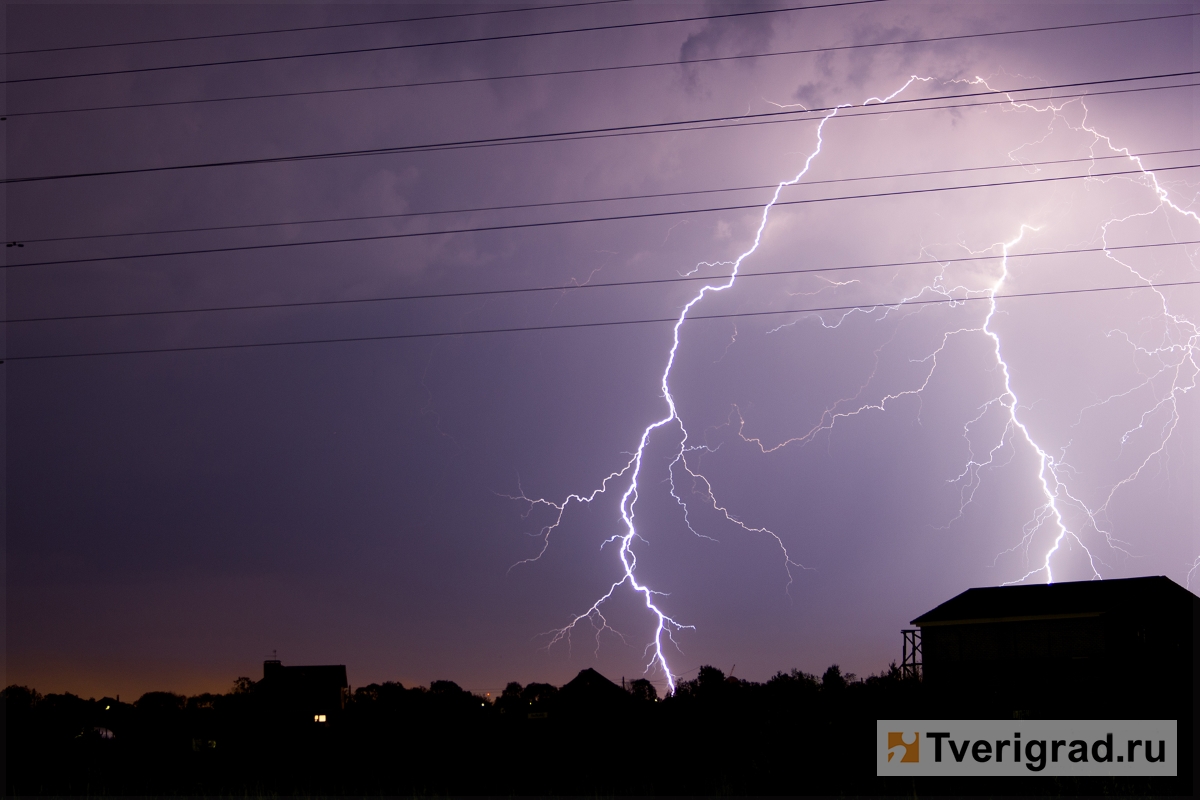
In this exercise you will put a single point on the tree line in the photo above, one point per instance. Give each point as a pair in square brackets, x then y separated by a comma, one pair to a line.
[795, 733]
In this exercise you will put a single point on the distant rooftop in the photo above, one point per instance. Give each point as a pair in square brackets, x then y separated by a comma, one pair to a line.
[329, 674]
[1077, 598]
[590, 684]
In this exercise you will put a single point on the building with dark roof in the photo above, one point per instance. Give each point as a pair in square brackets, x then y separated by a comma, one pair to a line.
[1119, 647]
[591, 690]
[304, 694]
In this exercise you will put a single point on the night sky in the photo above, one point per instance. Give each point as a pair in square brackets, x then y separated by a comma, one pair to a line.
[175, 517]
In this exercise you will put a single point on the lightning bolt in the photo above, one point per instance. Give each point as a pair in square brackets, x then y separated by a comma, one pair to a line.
[1183, 372]
[1175, 353]
[666, 626]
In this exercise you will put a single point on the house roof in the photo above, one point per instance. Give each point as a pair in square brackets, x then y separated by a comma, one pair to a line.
[590, 685]
[1150, 595]
[322, 674]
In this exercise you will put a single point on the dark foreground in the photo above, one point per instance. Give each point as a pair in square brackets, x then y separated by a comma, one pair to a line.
[794, 734]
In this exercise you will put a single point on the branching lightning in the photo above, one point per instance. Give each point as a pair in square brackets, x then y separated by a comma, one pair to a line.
[666, 626]
[1176, 371]
[1176, 356]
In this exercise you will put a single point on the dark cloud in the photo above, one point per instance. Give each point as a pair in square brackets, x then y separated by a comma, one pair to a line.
[736, 37]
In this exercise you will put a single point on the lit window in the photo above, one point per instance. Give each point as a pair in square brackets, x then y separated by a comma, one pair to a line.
[318, 717]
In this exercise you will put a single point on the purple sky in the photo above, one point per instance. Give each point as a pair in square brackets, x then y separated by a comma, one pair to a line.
[173, 518]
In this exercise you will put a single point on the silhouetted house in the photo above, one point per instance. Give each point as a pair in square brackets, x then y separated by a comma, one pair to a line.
[1091, 648]
[589, 693]
[308, 695]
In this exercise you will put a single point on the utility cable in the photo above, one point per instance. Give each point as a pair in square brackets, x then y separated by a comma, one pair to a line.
[600, 324]
[332, 26]
[566, 287]
[577, 221]
[617, 198]
[442, 43]
[588, 70]
[704, 123]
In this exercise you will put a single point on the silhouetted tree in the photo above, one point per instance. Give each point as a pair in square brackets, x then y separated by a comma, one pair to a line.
[709, 683]
[643, 690]
[160, 703]
[794, 734]
[833, 680]
[20, 697]
[509, 703]
[538, 696]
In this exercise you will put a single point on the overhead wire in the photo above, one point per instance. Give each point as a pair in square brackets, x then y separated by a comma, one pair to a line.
[576, 221]
[442, 43]
[588, 70]
[682, 278]
[305, 28]
[846, 111]
[597, 324]
[570, 287]
[583, 201]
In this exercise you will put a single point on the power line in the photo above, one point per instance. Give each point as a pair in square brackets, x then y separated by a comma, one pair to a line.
[578, 221]
[863, 111]
[555, 203]
[601, 324]
[608, 285]
[442, 43]
[704, 123]
[396, 21]
[587, 70]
